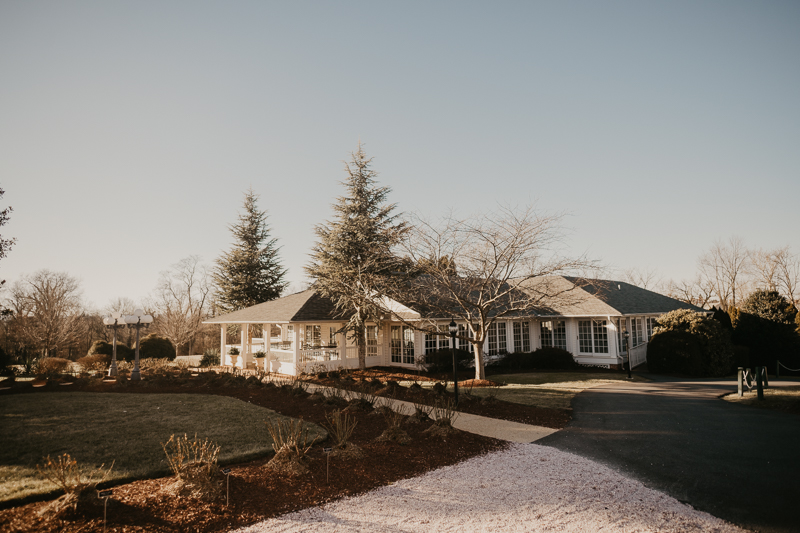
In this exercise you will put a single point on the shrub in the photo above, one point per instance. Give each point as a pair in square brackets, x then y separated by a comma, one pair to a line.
[686, 342]
[95, 362]
[5, 364]
[291, 443]
[210, 357]
[102, 348]
[155, 347]
[79, 490]
[442, 360]
[340, 426]
[194, 464]
[547, 358]
[766, 325]
[49, 367]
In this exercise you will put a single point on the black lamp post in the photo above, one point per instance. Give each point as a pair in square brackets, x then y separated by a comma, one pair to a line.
[114, 322]
[138, 320]
[453, 329]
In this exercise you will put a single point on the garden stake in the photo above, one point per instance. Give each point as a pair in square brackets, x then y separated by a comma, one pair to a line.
[104, 494]
[227, 472]
[328, 467]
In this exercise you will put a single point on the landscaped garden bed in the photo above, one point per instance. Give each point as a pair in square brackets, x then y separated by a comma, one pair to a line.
[257, 492]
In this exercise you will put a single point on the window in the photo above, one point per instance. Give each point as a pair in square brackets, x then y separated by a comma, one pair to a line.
[437, 342]
[522, 337]
[592, 336]
[402, 345]
[313, 335]
[464, 344]
[600, 336]
[554, 333]
[560, 334]
[332, 337]
[585, 336]
[637, 336]
[651, 323]
[620, 337]
[371, 335]
[546, 334]
[497, 338]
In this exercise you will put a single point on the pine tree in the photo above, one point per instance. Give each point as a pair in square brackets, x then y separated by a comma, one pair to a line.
[354, 251]
[250, 273]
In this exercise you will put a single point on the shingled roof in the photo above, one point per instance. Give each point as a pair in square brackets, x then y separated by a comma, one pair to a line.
[596, 297]
[303, 306]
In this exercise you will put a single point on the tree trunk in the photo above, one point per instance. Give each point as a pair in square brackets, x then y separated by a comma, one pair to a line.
[480, 372]
[362, 348]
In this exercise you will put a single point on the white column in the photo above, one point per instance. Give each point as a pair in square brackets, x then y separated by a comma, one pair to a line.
[341, 344]
[243, 342]
[296, 343]
[510, 336]
[224, 358]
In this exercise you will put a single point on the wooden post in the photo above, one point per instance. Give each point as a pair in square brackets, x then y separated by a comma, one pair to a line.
[741, 380]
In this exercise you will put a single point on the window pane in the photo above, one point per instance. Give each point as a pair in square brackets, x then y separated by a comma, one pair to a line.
[502, 338]
[600, 336]
[560, 334]
[547, 334]
[585, 336]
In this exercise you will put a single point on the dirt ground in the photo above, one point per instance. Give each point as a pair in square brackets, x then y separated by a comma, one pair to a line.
[256, 492]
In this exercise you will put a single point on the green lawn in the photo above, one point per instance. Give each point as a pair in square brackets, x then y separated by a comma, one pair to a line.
[97, 428]
[547, 389]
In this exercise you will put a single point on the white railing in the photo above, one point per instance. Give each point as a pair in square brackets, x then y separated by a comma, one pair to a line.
[638, 355]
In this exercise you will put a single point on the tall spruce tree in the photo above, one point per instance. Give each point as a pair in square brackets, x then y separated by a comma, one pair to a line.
[250, 273]
[354, 251]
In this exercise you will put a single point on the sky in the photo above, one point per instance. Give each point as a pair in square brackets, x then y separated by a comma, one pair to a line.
[129, 131]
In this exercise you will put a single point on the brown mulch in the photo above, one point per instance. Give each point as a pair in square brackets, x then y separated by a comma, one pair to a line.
[256, 492]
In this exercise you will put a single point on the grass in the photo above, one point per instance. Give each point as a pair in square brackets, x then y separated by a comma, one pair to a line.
[553, 390]
[97, 428]
[778, 398]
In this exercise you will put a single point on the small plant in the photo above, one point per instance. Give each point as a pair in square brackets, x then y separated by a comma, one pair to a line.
[210, 357]
[194, 464]
[394, 420]
[444, 414]
[291, 444]
[79, 490]
[261, 354]
[340, 426]
[422, 413]
[233, 351]
[335, 396]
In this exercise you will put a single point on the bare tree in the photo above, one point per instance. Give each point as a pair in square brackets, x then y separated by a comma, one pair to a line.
[778, 270]
[699, 291]
[48, 308]
[180, 301]
[726, 267]
[485, 268]
[646, 278]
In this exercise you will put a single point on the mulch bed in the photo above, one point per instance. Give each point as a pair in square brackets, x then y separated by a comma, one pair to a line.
[257, 493]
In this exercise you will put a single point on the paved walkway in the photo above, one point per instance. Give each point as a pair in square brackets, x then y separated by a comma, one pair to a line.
[739, 463]
[481, 425]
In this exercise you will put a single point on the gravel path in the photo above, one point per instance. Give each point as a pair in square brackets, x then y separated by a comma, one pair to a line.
[524, 488]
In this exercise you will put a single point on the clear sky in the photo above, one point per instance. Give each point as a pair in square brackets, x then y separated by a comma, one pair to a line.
[130, 130]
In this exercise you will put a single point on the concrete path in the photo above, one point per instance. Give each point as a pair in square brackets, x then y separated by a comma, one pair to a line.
[479, 425]
[739, 463]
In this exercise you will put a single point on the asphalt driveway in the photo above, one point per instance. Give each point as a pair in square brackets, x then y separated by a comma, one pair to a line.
[738, 463]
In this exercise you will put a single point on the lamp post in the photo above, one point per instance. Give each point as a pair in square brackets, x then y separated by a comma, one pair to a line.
[138, 320]
[628, 349]
[114, 322]
[453, 328]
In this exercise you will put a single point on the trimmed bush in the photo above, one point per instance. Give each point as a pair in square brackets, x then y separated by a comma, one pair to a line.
[442, 360]
[210, 358]
[49, 367]
[685, 342]
[548, 358]
[95, 362]
[766, 326]
[102, 348]
[155, 347]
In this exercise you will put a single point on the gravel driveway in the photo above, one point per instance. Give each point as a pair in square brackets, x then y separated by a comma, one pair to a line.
[524, 488]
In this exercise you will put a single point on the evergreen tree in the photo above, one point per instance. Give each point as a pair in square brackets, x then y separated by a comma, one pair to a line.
[354, 251]
[766, 325]
[250, 273]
